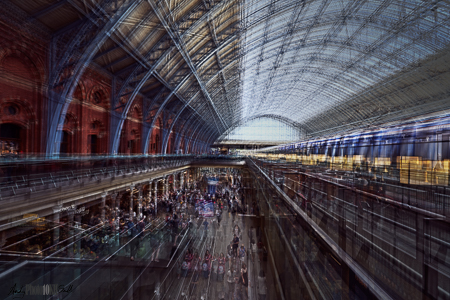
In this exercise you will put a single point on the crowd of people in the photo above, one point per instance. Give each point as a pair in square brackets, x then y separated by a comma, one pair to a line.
[161, 221]
[179, 209]
[230, 267]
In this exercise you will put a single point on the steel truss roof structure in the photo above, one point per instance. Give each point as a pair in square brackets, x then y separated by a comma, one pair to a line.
[336, 65]
[322, 65]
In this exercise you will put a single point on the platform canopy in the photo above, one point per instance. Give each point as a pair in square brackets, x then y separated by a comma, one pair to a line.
[323, 65]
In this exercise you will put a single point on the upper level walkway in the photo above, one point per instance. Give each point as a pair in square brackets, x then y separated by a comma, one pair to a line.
[41, 192]
[37, 185]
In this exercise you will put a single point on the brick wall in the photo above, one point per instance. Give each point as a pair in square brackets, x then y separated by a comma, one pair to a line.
[24, 100]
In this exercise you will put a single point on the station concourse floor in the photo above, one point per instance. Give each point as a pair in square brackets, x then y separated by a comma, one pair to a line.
[216, 239]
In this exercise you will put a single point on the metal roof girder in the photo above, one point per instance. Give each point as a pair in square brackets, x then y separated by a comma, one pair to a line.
[53, 135]
[173, 124]
[180, 45]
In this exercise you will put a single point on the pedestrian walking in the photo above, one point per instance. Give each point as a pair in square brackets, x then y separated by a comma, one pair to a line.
[262, 287]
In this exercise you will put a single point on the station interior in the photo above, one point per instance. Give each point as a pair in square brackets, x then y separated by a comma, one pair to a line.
[225, 149]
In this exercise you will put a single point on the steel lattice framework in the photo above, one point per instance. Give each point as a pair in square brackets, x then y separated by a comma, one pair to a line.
[212, 65]
[336, 65]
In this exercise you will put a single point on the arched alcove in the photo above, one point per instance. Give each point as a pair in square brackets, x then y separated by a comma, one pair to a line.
[17, 121]
[155, 138]
[134, 142]
[12, 138]
[21, 77]
[96, 137]
[69, 138]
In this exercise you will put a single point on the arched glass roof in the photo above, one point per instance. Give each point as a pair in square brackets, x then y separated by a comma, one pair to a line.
[324, 65]
[262, 129]
[306, 60]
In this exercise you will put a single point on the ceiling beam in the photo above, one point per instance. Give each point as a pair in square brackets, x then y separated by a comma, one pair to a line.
[182, 50]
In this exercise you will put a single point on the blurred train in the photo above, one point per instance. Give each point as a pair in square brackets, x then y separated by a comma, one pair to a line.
[418, 153]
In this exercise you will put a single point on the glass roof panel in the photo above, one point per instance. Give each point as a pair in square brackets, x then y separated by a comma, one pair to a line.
[263, 129]
[303, 58]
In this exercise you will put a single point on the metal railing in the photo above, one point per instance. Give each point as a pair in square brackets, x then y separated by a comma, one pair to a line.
[30, 175]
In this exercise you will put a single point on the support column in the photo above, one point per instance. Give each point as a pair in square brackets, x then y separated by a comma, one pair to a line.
[190, 177]
[174, 176]
[114, 206]
[166, 185]
[131, 199]
[77, 243]
[155, 198]
[140, 203]
[56, 212]
[70, 252]
[104, 206]
[118, 197]
[182, 180]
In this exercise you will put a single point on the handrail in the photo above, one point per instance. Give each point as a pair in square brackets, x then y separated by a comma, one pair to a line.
[370, 282]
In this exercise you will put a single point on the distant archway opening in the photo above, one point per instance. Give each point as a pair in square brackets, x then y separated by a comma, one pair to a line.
[133, 143]
[157, 144]
[12, 138]
[96, 138]
[93, 141]
[65, 143]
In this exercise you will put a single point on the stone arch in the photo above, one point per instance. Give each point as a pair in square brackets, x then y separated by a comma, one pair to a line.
[25, 114]
[23, 86]
[182, 145]
[71, 123]
[131, 133]
[99, 96]
[96, 135]
[27, 56]
[80, 92]
[171, 142]
[156, 137]
[136, 112]
[134, 141]
[97, 126]
[70, 143]
[18, 115]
